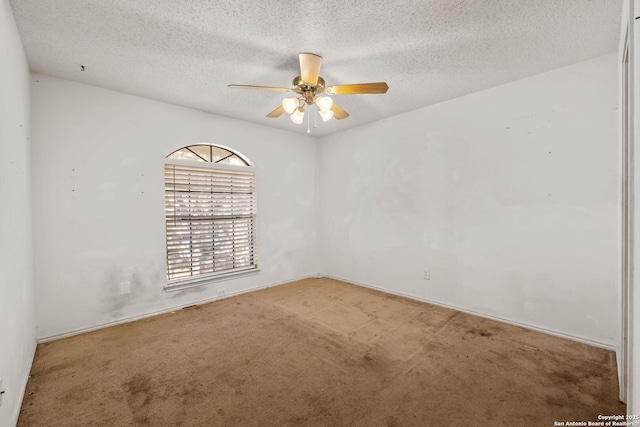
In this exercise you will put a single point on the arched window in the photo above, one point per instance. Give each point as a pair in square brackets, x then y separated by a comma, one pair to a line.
[210, 213]
[210, 153]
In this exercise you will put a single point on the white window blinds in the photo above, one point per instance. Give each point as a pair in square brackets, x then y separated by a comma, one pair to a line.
[210, 221]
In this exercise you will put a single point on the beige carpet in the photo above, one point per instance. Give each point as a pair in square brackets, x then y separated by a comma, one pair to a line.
[318, 352]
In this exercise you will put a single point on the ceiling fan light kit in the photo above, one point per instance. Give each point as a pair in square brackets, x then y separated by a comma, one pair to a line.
[290, 105]
[326, 115]
[297, 116]
[324, 103]
[308, 85]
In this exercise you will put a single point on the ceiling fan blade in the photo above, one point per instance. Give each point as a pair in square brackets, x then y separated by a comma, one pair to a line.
[338, 113]
[358, 88]
[310, 67]
[283, 89]
[276, 113]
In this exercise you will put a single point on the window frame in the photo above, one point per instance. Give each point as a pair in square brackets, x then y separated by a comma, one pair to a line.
[207, 278]
[242, 157]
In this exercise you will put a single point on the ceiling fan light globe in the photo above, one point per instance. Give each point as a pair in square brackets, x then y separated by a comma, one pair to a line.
[297, 116]
[324, 103]
[326, 115]
[290, 104]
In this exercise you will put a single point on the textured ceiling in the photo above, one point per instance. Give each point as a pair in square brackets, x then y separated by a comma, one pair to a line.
[186, 52]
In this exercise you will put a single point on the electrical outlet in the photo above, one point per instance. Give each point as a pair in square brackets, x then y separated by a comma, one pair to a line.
[125, 288]
[222, 292]
[427, 275]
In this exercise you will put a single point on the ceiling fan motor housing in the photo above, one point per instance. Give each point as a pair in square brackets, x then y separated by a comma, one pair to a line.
[308, 91]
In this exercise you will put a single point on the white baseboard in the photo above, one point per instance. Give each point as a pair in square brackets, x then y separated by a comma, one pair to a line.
[163, 311]
[487, 316]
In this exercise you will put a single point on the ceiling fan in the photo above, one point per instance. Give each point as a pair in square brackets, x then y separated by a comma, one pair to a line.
[309, 85]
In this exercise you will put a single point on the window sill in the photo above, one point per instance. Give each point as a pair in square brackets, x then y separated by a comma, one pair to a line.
[192, 282]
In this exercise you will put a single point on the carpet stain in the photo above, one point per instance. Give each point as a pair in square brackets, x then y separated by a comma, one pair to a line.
[142, 421]
[139, 390]
[480, 332]
[554, 401]
[392, 421]
[565, 377]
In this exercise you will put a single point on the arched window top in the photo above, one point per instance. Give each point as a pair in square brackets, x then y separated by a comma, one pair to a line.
[210, 153]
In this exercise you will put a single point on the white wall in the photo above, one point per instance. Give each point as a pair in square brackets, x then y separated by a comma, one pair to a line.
[17, 320]
[508, 196]
[98, 187]
[633, 398]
